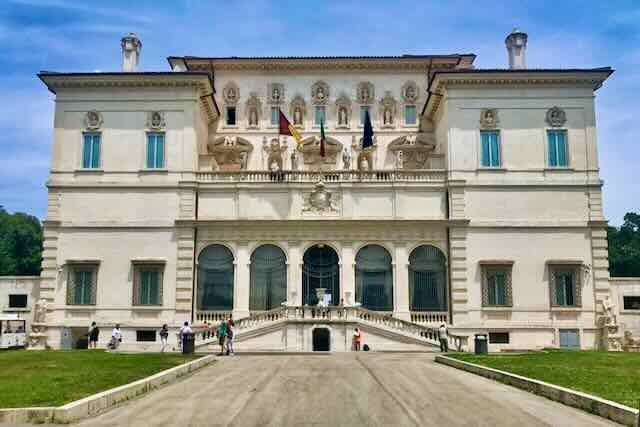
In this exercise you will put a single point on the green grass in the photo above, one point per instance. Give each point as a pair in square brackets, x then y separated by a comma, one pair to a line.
[612, 376]
[53, 378]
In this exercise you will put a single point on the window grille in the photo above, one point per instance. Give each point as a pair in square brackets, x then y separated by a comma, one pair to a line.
[497, 286]
[565, 286]
[82, 284]
[147, 285]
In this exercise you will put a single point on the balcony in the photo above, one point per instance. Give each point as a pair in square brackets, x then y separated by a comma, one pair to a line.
[416, 175]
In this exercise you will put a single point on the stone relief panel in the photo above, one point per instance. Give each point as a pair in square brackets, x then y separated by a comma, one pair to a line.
[253, 110]
[410, 92]
[320, 93]
[412, 151]
[365, 160]
[388, 110]
[321, 201]
[343, 111]
[489, 118]
[556, 117]
[274, 152]
[310, 150]
[298, 110]
[231, 153]
[275, 93]
[93, 120]
[365, 93]
[231, 93]
[155, 120]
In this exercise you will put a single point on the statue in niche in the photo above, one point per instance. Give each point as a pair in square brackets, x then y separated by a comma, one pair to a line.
[364, 93]
[410, 93]
[399, 160]
[364, 164]
[253, 117]
[608, 306]
[346, 159]
[40, 312]
[294, 160]
[320, 94]
[388, 116]
[297, 116]
[342, 116]
[276, 94]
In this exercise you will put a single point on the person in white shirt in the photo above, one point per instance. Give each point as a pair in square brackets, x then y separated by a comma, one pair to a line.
[444, 338]
[186, 329]
[116, 337]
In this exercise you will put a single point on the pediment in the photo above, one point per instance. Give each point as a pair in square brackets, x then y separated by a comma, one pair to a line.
[310, 149]
[230, 152]
[413, 151]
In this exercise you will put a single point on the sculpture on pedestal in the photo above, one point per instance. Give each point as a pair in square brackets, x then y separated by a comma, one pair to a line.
[346, 159]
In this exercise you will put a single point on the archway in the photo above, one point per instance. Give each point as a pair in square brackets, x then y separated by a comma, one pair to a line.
[215, 278]
[321, 339]
[374, 278]
[268, 283]
[320, 269]
[427, 279]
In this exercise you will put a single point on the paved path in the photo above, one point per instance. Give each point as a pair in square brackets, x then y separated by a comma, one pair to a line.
[372, 389]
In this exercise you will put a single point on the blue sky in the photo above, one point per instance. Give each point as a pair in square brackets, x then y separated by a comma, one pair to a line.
[85, 36]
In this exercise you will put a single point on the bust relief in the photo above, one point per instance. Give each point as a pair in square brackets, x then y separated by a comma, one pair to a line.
[365, 92]
[93, 120]
[556, 117]
[231, 93]
[489, 118]
[275, 93]
[155, 120]
[320, 93]
[410, 92]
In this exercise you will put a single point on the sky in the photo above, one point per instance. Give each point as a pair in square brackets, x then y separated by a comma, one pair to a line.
[59, 35]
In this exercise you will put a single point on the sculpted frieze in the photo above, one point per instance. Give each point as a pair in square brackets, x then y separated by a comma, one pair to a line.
[230, 152]
[412, 151]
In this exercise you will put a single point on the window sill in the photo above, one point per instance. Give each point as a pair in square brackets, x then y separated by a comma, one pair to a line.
[16, 309]
[230, 127]
[153, 170]
[568, 309]
[497, 308]
[630, 311]
[147, 307]
[559, 169]
[79, 307]
[89, 171]
[492, 169]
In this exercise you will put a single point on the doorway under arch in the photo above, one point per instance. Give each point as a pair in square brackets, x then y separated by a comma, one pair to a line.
[321, 339]
[320, 269]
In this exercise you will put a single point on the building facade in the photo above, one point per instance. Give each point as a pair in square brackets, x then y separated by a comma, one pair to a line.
[173, 197]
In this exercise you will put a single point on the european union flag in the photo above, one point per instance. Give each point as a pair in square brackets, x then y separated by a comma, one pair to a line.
[367, 138]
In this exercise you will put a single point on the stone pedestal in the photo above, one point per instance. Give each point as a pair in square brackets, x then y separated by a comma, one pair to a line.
[38, 337]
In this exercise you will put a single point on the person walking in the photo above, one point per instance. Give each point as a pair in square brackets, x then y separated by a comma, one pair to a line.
[444, 338]
[164, 337]
[116, 337]
[222, 336]
[356, 340]
[94, 332]
[186, 329]
[230, 333]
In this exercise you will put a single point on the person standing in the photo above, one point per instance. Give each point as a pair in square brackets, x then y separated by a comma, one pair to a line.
[230, 334]
[116, 337]
[164, 337]
[94, 332]
[356, 339]
[186, 329]
[222, 336]
[444, 338]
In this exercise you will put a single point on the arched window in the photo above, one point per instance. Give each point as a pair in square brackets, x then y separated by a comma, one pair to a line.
[427, 279]
[268, 278]
[320, 269]
[374, 278]
[215, 278]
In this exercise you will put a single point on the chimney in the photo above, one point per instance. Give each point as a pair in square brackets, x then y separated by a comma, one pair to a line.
[131, 46]
[516, 43]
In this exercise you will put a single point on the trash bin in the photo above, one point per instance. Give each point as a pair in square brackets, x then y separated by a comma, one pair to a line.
[188, 343]
[481, 344]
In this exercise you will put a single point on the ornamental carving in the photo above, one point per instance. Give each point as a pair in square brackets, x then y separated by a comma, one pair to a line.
[364, 158]
[231, 153]
[365, 93]
[410, 92]
[298, 110]
[231, 93]
[556, 117]
[155, 120]
[93, 120]
[274, 151]
[320, 200]
[343, 111]
[412, 151]
[276, 93]
[253, 110]
[489, 118]
[320, 93]
[388, 110]
[310, 149]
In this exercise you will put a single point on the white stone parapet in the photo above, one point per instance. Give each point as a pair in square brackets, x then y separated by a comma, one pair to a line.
[418, 175]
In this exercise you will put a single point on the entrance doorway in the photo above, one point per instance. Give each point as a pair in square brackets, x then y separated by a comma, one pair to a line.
[321, 339]
[320, 270]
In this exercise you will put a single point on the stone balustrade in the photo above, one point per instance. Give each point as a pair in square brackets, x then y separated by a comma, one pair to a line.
[212, 316]
[414, 175]
[430, 317]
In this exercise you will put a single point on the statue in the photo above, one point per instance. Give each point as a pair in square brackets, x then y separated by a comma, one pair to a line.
[320, 94]
[40, 311]
[364, 94]
[364, 164]
[410, 93]
[276, 94]
[346, 159]
[342, 116]
[274, 166]
[253, 117]
[294, 160]
[399, 159]
[388, 117]
[297, 116]
[608, 307]
[243, 161]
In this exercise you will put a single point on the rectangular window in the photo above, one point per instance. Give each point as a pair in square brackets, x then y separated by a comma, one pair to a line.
[565, 289]
[631, 302]
[320, 116]
[91, 151]
[18, 301]
[498, 337]
[155, 150]
[363, 111]
[569, 338]
[557, 148]
[496, 285]
[274, 116]
[231, 116]
[410, 115]
[490, 141]
[146, 336]
[147, 288]
[81, 286]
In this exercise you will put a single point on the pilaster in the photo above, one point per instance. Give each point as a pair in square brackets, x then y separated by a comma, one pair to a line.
[241, 284]
[347, 273]
[294, 282]
[184, 274]
[401, 282]
[458, 274]
[49, 273]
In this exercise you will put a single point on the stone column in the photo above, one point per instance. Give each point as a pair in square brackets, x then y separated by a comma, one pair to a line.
[241, 284]
[401, 282]
[294, 274]
[347, 274]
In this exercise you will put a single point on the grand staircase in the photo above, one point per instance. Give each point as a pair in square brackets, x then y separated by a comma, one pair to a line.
[381, 324]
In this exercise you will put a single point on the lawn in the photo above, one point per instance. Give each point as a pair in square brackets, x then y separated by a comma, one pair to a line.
[612, 376]
[53, 378]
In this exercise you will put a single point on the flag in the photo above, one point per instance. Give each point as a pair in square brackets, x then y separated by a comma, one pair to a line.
[367, 137]
[286, 128]
[322, 138]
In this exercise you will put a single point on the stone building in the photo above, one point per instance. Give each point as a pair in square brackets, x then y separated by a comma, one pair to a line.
[172, 198]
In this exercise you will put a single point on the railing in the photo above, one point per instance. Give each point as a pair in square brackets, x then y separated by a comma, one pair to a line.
[212, 316]
[413, 175]
[430, 317]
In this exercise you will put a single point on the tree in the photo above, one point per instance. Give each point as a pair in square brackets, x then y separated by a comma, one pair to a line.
[20, 244]
[624, 247]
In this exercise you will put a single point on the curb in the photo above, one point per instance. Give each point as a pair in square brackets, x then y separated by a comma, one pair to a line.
[99, 402]
[604, 408]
